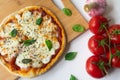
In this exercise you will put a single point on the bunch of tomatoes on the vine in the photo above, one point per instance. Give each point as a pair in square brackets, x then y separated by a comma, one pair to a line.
[105, 45]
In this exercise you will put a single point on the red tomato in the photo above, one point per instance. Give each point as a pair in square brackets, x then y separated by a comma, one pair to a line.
[97, 66]
[115, 62]
[98, 24]
[114, 32]
[97, 44]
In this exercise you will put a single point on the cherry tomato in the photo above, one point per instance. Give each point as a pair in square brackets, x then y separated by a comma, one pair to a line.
[97, 44]
[98, 24]
[97, 66]
[114, 32]
[115, 56]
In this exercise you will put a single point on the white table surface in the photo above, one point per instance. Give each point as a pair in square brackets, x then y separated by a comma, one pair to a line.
[63, 69]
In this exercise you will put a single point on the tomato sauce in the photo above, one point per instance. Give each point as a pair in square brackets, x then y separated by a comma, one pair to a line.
[13, 65]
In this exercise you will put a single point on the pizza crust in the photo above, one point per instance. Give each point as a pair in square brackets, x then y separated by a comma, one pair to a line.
[38, 71]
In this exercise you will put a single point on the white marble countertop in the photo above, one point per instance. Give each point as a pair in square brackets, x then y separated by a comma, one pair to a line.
[63, 69]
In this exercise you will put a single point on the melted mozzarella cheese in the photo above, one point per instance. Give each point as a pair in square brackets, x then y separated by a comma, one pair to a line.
[26, 15]
[10, 48]
[8, 28]
[37, 52]
[19, 59]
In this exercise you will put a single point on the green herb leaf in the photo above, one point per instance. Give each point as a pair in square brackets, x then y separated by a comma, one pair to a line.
[70, 55]
[49, 44]
[39, 21]
[72, 77]
[29, 42]
[26, 61]
[13, 33]
[78, 28]
[67, 11]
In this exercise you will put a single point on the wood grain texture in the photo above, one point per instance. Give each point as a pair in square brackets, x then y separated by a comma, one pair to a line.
[5, 75]
[9, 6]
[76, 18]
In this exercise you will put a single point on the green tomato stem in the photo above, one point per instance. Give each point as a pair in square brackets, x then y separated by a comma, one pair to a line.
[111, 56]
[106, 72]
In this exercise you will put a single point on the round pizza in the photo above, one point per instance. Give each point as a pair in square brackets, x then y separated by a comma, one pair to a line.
[31, 41]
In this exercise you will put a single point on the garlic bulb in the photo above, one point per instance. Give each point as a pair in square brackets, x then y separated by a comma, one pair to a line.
[95, 7]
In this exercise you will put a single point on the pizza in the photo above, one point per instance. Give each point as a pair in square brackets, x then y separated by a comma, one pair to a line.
[31, 41]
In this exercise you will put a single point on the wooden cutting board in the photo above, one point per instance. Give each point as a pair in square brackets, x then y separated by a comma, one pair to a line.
[9, 6]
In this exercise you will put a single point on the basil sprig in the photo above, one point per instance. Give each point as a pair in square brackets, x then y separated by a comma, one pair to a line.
[29, 42]
[78, 28]
[67, 11]
[26, 61]
[39, 21]
[70, 55]
[49, 44]
[72, 77]
[13, 33]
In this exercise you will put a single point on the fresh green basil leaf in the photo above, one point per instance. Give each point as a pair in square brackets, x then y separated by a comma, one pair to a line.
[26, 61]
[49, 44]
[72, 77]
[39, 21]
[67, 11]
[70, 55]
[29, 42]
[13, 33]
[78, 28]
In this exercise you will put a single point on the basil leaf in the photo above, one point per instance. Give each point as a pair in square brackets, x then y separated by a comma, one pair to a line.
[72, 77]
[49, 44]
[67, 11]
[39, 21]
[78, 28]
[70, 55]
[26, 61]
[29, 42]
[13, 33]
